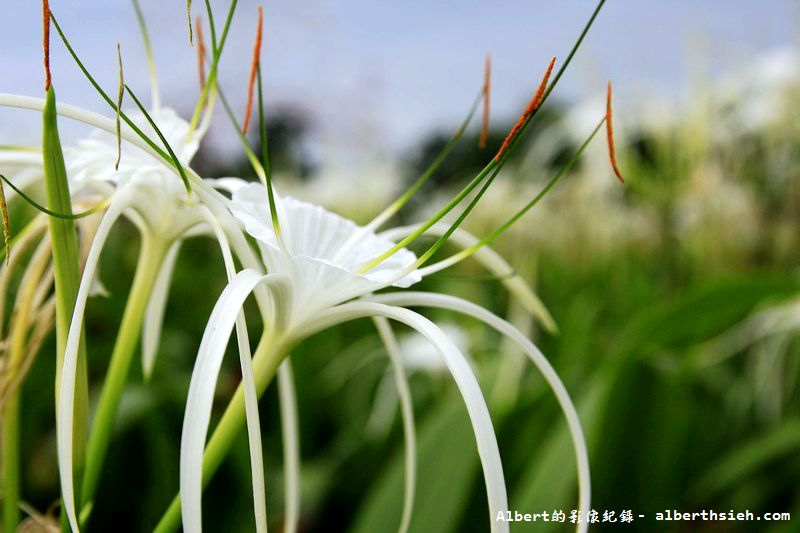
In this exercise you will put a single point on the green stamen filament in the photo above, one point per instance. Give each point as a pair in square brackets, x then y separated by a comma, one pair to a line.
[212, 75]
[155, 99]
[519, 214]
[172, 155]
[431, 170]
[64, 216]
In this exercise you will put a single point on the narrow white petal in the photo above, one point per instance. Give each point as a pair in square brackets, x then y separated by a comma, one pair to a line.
[201, 393]
[453, 303]
[491, 260]
[407, 411]
[253, 425]
[248, 386]
[154, 315]
[291, 446]
[465, 380]
[66, 387]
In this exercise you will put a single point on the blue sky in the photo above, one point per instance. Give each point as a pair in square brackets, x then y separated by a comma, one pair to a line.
[379, 74]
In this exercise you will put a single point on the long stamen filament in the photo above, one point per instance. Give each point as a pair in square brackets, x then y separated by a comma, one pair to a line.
[155, 127]
[265, 158]
[519, 214]
[433, 220]
[212, 27]
[259, 169]
[65, 216]
[155, 97]
[395, 206]
[212, 75]
[491, 170]
[105, 96]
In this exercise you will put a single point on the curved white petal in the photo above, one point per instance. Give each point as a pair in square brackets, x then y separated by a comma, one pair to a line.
[248, 386]
[201, 390]
[291, 446]
[491, 260]
[154, 314]
[66, 394]
[407, 411]
[462, 375]
[453, 303]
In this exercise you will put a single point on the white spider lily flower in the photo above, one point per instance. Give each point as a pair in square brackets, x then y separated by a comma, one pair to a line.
[313, 264]
[323, 251]
[139, 195]
[159, 204]
[148, 192]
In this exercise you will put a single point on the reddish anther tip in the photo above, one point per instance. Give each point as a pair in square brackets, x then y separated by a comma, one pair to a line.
[46, 42]
[610, 137]
[533, 106]
[201, 51]
[253, 71]
[487, 90]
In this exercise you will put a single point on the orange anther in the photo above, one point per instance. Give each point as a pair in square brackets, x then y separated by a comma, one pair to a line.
[610, 136]
[201, 51]
[46, 42]
[253, 71]
[533, 106]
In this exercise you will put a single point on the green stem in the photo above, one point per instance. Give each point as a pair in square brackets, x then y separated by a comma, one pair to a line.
[10, 461]
[268, 356]
[150, 258]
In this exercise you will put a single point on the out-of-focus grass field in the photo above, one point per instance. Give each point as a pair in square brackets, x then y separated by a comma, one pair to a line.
[677, 298]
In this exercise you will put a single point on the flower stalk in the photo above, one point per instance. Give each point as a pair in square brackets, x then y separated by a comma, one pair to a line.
[151, 256]
[269, 354]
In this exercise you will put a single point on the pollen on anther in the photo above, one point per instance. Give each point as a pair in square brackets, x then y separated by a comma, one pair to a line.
[46, 42]
[610, 136]
[533, 106]
[487, 89]
[253, 71]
